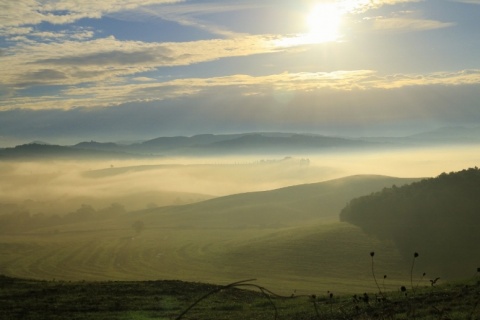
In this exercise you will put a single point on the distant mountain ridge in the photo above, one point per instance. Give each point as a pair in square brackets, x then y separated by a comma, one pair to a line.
[246, 142]
[441, 136]
[47, 151]
[241, 144]
[205, 144]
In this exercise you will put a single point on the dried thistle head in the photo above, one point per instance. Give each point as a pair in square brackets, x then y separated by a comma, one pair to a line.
[372, 254]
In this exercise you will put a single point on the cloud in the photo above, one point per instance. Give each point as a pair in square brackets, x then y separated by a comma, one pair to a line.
[464, 77]
[408, 24]
[338, 80]
[108, 59]
[232, 109]
[14, 31]
[42, 76]
[188, 14]
[74, 58]
[469, 1]
[32, 12]
[284, 84]
[111, 58]
[144, 79]
[365, 5]
[14, 15]
[76, 34]
[19, 19]
[59, 80]
[406, 21]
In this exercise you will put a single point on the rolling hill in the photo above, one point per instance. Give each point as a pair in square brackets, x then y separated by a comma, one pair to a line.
[285, 207]
[288, 238]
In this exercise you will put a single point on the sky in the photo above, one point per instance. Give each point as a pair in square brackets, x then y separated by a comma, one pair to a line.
[130, 70]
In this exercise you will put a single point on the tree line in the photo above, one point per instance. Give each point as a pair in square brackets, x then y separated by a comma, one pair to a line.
[439, 217]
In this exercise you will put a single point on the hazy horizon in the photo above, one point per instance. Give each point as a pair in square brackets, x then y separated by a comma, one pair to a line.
[141, 181]
[352, 135]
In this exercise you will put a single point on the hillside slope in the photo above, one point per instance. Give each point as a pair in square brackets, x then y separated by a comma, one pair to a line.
[288, 238]
[437, 217]
[285, 207]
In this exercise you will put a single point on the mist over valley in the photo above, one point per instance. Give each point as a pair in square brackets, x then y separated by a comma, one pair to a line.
[98, 215]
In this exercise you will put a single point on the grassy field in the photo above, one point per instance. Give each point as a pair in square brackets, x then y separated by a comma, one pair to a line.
[30, 299]
[330, 256]
[289, 239]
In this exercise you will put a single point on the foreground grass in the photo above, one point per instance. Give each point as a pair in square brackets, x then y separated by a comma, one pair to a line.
[30, 299]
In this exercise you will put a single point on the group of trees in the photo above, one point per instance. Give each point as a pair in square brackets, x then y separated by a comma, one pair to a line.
[439, 217]
[20, 220]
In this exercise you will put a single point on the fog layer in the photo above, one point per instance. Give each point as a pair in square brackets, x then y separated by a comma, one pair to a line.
[63, 185]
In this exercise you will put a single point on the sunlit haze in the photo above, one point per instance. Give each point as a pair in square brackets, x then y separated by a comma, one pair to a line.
[136, 184]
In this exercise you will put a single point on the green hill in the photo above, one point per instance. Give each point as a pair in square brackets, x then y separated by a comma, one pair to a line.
[437, 217]
[289, 238]
[285, 207]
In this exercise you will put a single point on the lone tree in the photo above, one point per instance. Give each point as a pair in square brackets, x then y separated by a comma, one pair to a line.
[138, 226]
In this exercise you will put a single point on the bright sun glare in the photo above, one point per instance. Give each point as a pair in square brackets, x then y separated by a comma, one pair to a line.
[322, 23]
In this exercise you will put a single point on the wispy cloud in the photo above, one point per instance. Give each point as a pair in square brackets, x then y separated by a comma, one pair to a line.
[469, 1]
[145, 89]
[32, 12]
[19, 19]
[408, 24]
[365, 5]
[189, 14]
[107, 59]
[14, 15]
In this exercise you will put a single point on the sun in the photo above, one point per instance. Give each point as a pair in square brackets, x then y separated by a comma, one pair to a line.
[324, 23]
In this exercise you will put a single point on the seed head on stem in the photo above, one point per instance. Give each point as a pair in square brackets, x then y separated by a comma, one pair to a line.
[372, 254]
[415, 256]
